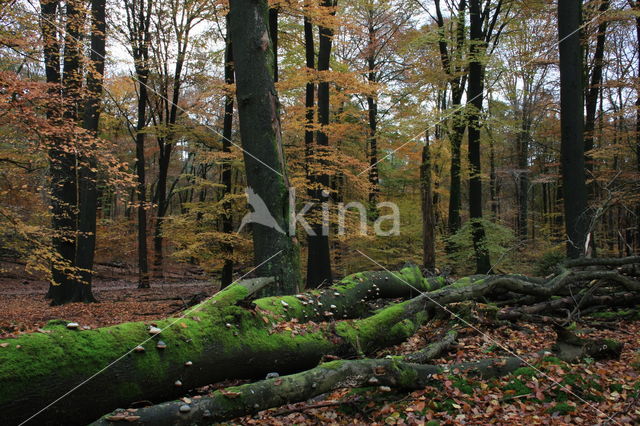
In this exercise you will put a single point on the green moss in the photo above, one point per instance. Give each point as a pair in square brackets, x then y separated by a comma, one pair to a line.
[561, 408]
[518, 386]
[525, 371]
[616, 387]
[464, 385]
[407, 377]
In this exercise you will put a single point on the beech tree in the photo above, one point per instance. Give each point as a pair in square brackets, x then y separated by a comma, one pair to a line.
[572, 126]
[264, 157]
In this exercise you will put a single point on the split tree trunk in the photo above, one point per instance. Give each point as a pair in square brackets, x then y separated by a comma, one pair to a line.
[319, 255]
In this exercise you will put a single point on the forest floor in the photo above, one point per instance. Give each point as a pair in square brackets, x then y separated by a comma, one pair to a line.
[24, 309]
[592, 392]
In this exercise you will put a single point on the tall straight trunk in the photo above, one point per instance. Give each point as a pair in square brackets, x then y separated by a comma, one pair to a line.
[523, 170]
[458, 123]
[476, 90]
[143, 256]
[227, 129]
[64, 195]
[165, 145]
[319, 256]
[273, 32]
[493, 180]
[428, 216]
[636, 7]
[310, 95]
[591, 100]
[373, 124]
[88, 191]
[138, 24]
[572, 126]
[258, 109]
[455, 186]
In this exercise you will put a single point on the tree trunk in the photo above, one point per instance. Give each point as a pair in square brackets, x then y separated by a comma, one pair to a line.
[591, 100]
[428, 217]
[138, 15]
[319, 256]
[273, 32]
[373, 124]
[523, 169]
[323, 379]
[64, 195]
[309, 102]
[88, 191]
[476, 90]
[572, 126]
[227, 132]
[258, 109]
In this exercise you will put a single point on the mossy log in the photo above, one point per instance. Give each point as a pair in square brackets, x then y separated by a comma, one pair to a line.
[253, 397]
[390, 372]
[74, 376]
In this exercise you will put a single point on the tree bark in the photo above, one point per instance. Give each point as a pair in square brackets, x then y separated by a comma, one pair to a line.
[227, 133]
[476, 92]
[258, 109]
[138, 15]
[591, 100]
[309, 103]
[64, 185]
[428, 216]
[572, 126]
[319, 256]
[88, 192]
[451, 58]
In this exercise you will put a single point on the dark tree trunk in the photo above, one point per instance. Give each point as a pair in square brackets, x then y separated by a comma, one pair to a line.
[138, 24]
[309, 103]
[591, 100]
[493, 181]
[259, 114]
[373, 125]
[572, 126]
[64, 195]
[476, 90]
[87, 175]
[319, 255]
[273, 32]
[523, 169]
[165, 145]
[227, 133]
[636, 7]
[458, 123]
[428, 217]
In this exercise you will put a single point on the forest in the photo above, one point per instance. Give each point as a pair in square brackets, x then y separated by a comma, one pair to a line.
[411, 212]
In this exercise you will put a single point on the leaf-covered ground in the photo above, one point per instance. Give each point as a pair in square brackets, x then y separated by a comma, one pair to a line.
[550, 392]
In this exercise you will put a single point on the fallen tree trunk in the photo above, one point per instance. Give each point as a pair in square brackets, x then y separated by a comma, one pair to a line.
[74, 376]
[254, 397]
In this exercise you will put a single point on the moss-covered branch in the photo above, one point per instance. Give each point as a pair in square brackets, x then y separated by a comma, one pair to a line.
[214, 341]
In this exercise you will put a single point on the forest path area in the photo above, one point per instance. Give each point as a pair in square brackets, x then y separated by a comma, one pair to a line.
[24, 309]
